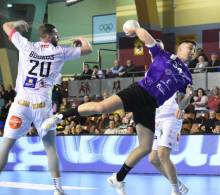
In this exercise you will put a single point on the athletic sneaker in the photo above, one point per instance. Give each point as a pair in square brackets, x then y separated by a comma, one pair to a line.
[176, 193]
[53, 120]
[59, 192]
[183, 189]
[118, 185]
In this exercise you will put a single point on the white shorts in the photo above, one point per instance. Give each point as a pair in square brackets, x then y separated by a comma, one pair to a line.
[167, 133]
[27, 109]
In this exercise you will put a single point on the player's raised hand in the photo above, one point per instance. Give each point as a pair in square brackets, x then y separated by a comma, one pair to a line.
[21, 26]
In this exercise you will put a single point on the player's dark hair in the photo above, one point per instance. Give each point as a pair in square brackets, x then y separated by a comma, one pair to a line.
[188, 41]
[46, 29]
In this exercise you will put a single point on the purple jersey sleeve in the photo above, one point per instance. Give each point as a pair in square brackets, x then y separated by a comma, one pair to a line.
[155, 50]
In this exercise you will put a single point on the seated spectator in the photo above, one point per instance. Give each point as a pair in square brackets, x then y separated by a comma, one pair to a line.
[196, 126]
[208, 125]
[200, 101]
[111, 128]
[57, 94]
[103, 121]
[97, 73]
[217, 128]
[117, 119]
[64, 105]
[201, 65]
[214, 62]
[66, 131]
[129, 68]
[115, 70]
[60, 127]
[131, 130]
[92, 128]
[87, 72]
[72, 127]
[194, 61]
[214, 99]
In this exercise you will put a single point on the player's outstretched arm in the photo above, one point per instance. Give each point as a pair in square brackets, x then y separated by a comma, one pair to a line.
[142, 34]
[86, 48]
[20, 25]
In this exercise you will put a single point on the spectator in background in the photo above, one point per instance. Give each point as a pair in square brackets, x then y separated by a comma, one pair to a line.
[103, 121]
[60, 127]
[217, 128]
[57, 94]
[197, 124]
[64, 105]
[87, 72]
[208, 125]
[200, 102]
[117, 119]
[194, 61]
[201, 65]
[97, 73]
[214, 99]
[129, 68]
[115, 70]
[214, 62]
[9, 93]
[9, 96]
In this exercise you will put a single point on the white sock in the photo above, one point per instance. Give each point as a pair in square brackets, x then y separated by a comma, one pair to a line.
[175, 188]
[57, 183]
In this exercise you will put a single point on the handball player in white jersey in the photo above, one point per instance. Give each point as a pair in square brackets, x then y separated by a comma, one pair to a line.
[168, 124]
[39, 65]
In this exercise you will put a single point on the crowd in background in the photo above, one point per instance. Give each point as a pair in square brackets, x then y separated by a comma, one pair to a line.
[202, 116]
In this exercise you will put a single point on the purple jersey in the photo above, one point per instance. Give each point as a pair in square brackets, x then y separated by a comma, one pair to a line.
[166, 75]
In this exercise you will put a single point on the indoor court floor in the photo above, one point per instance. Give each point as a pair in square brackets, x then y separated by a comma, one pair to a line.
[80, 183]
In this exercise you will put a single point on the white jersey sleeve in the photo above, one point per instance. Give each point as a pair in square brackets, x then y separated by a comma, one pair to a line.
[71, 53]
[20, 42]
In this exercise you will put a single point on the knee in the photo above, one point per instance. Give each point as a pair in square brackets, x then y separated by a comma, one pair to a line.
[163, 156]
[145, 150]
[153, 159]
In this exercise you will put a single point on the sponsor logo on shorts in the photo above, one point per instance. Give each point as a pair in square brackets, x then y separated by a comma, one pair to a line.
[15, 122]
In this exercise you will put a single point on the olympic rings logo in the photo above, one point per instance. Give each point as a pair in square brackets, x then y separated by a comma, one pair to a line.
[106, 27]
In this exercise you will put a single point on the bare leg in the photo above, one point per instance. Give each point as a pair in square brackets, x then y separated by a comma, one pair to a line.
[161, 160]
[50, 148]
[169, 168]
[4, 151]
[145, 137]
[154, 160]
[106, 106]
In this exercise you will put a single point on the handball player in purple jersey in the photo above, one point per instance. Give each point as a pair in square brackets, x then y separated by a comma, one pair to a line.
[167, 74]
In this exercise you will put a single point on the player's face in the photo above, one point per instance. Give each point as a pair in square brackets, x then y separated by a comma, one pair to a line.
[55, 37]
[186, 51]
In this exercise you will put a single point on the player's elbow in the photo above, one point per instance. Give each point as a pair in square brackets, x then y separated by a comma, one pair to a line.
[86, 51]
[5, 26]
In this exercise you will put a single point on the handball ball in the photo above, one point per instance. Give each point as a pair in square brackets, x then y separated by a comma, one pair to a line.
[77, 43]
[130, 24]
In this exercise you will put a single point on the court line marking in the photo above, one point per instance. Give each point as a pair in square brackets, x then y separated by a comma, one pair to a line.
[36, 186]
